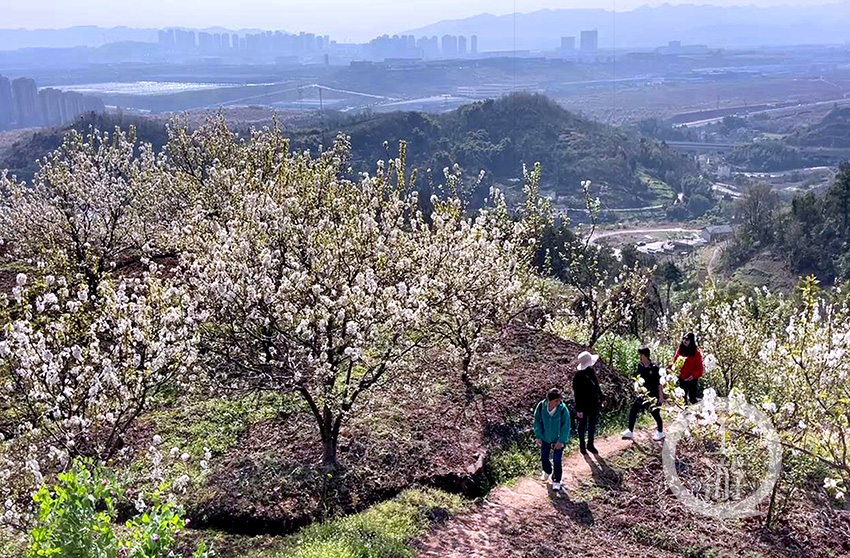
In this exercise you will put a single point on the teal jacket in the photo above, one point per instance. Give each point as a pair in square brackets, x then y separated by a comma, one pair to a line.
[552, 428]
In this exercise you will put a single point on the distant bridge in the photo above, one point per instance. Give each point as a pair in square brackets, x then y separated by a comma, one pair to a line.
[271, 91]
[715, 147]
[701, 147]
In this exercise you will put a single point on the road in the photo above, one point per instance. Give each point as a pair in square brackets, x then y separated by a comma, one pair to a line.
[618, 210]
[606, 234]
[729, 189]
[743, 111]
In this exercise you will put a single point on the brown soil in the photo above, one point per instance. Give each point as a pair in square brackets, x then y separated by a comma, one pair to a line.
[492, 529]
[420, 430]
[619, 506]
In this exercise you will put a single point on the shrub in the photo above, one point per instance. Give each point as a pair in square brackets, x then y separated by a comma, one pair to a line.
[76, 519]
[382, 531]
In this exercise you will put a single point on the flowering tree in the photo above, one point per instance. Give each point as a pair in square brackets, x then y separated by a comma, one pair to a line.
[315, 283]
[482, 266]
[732, 332]
[97, 203]
[605, 297]
[81, 368]
[791, 356]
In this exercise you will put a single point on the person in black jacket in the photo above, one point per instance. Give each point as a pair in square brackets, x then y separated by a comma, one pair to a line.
[650, 377]
[588, 396]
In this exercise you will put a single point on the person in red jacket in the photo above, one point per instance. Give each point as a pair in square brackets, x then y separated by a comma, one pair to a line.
[692, 369]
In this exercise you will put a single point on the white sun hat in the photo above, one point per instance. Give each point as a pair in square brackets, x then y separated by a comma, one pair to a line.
[586, 360]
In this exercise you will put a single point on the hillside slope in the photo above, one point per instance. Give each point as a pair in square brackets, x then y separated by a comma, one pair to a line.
[832, 131]
[497, 136]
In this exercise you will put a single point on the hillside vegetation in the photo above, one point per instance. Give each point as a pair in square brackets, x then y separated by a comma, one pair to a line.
[496, 136]
[500, 136]
[297, 360]
[832, 131]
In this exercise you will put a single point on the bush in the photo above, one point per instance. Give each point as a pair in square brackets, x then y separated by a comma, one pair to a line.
[382, 531]
[76, 519]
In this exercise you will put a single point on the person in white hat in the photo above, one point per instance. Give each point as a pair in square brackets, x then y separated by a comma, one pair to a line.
[588, 396]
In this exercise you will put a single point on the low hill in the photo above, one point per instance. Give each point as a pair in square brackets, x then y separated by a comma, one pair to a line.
[832, 131]
[497, 136]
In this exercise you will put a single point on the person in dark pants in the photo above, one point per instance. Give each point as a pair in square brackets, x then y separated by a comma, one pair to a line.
[692, 368]
[552, 430]
[650, 376]
[588, 396]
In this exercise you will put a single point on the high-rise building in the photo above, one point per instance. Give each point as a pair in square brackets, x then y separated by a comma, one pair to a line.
[25, 94]
[234, 41]
[473, 44]
[166, 38]
[449, 45]
[461, 45]
[6, 107]
[590, 40]
[185, 40]
[207, 42]
[568, 44]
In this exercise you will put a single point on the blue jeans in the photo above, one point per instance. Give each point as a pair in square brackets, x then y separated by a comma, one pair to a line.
[547, 466]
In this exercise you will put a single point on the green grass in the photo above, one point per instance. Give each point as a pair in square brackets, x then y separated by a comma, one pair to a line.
[217, 423]
[11, 546]
[661, 190]
[383, 531]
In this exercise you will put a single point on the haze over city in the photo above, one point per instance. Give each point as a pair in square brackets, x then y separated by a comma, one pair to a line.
[347, 20]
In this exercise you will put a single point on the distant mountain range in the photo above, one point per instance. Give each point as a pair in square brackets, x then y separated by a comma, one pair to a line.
[716, 26]
[644, 27]
[86, 36]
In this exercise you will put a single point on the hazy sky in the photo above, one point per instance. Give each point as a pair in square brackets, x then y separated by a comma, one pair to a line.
[352, 20]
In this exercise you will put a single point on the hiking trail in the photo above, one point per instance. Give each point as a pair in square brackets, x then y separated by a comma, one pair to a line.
[485, 531]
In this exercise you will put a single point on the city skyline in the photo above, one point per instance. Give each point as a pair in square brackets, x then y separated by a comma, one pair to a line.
[345, 21]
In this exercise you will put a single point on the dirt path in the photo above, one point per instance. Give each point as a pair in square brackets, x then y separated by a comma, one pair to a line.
[489, 529]
[712, 263]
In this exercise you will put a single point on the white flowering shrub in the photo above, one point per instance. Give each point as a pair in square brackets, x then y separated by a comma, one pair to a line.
[98, 202]
[605, 299]
[789, 356]
[481, 267]
[80, 369]
[318, 284]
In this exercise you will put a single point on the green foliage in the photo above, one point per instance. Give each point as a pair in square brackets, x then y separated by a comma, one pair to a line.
[521, 458]
[76, 519]
[815, 234]
[217, 423]
[620, 352]
[769, 155]
[382, 531]
[498, 136]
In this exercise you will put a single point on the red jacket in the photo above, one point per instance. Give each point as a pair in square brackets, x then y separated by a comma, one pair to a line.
[692, 368]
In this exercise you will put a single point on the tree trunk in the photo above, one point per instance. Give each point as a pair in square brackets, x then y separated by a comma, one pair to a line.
[771, 510]
[329, 452]
[465, 365]
[328, 427]
[330, 439]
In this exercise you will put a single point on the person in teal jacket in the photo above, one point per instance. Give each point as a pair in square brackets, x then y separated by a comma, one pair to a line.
[552, 430]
